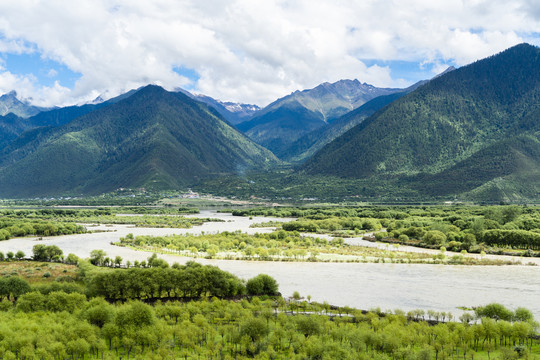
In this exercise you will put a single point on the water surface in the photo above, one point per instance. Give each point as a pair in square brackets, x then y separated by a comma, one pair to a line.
[365, 286]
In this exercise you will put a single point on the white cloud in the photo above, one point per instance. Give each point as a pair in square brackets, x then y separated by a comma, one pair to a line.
[52, 73]
[252, 51]
[29, 89]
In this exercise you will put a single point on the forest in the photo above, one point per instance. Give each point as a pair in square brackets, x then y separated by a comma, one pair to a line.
[86, 311]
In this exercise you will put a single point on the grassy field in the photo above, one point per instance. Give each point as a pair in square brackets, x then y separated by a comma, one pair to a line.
[36, 272]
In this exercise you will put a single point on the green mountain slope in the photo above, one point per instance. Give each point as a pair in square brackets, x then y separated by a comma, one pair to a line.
[436, 128]
[277, 129]
[514, 158]
[63, 115]
[10, 127]
[153, 138]
[281, 123]
[309, 144]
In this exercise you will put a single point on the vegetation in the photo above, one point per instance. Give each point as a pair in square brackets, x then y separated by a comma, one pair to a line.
[464, 129]
[49, 222]
[17, 227]
[119, 197]
[513, 230]
[40, 321]
[152, 139]
[190, 281]
[287, 246]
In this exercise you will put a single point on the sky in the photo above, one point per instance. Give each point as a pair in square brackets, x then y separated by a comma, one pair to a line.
[62, 52]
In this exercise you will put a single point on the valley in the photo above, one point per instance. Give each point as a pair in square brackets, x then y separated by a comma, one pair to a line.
[340, 281]
[396, 207]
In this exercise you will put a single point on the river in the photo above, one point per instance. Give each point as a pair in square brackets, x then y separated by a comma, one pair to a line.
[364, 286]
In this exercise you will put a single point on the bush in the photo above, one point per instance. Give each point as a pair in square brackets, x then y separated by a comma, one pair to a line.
[434, 237]
[494, 311]
[403, 238]
[262, 285]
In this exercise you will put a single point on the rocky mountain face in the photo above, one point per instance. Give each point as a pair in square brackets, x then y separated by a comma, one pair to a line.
[283, 122]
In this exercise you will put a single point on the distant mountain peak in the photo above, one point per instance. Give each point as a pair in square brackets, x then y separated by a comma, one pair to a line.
[284, 121]
[233, 112]
[12, 93]
[10, 103]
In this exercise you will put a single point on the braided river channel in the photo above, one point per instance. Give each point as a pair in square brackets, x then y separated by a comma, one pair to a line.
[360, 285]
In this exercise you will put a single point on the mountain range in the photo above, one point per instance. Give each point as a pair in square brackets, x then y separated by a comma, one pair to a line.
[153, 138]
[307, 145]
[475, 130]
[287, 119]
[471, 133]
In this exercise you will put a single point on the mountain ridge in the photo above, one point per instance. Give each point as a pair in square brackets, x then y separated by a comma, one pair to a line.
[284, 121]
[152, 138]
[9, 103]
[444, 122]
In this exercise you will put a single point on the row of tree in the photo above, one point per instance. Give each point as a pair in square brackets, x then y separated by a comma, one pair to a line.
[515, 238]
[16, 228]
[192, 280]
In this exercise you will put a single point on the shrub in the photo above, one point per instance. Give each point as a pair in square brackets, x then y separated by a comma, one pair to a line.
[262, 285]
[403, 238]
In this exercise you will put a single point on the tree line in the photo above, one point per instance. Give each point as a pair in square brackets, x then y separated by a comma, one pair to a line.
[58, 321]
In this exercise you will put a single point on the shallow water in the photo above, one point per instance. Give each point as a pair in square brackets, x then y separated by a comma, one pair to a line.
[365, 286]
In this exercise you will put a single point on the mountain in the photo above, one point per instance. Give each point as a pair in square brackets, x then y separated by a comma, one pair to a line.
[310, 143]
[484, 113]
[153, 138]
[10, 127]
[281, 123]
[234, 113]
[63, 115]
[9, 103]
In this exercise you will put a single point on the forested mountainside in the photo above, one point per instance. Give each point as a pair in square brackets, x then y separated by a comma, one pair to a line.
[153, 138]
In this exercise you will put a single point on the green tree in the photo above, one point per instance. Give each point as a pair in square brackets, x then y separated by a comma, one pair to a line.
[118, 260]
[522, 314]
[262, 284]
[135, 315]
[98, 312]
[97, 257]
[434, 237]
[254, 328]
[494, 311]
[15, 286]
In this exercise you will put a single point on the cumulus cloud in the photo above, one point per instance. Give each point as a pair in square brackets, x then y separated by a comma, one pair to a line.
[250, 51]
[30, 90]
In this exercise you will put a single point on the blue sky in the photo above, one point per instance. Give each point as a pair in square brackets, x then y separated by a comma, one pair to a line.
[46, 71]
[58, 52]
